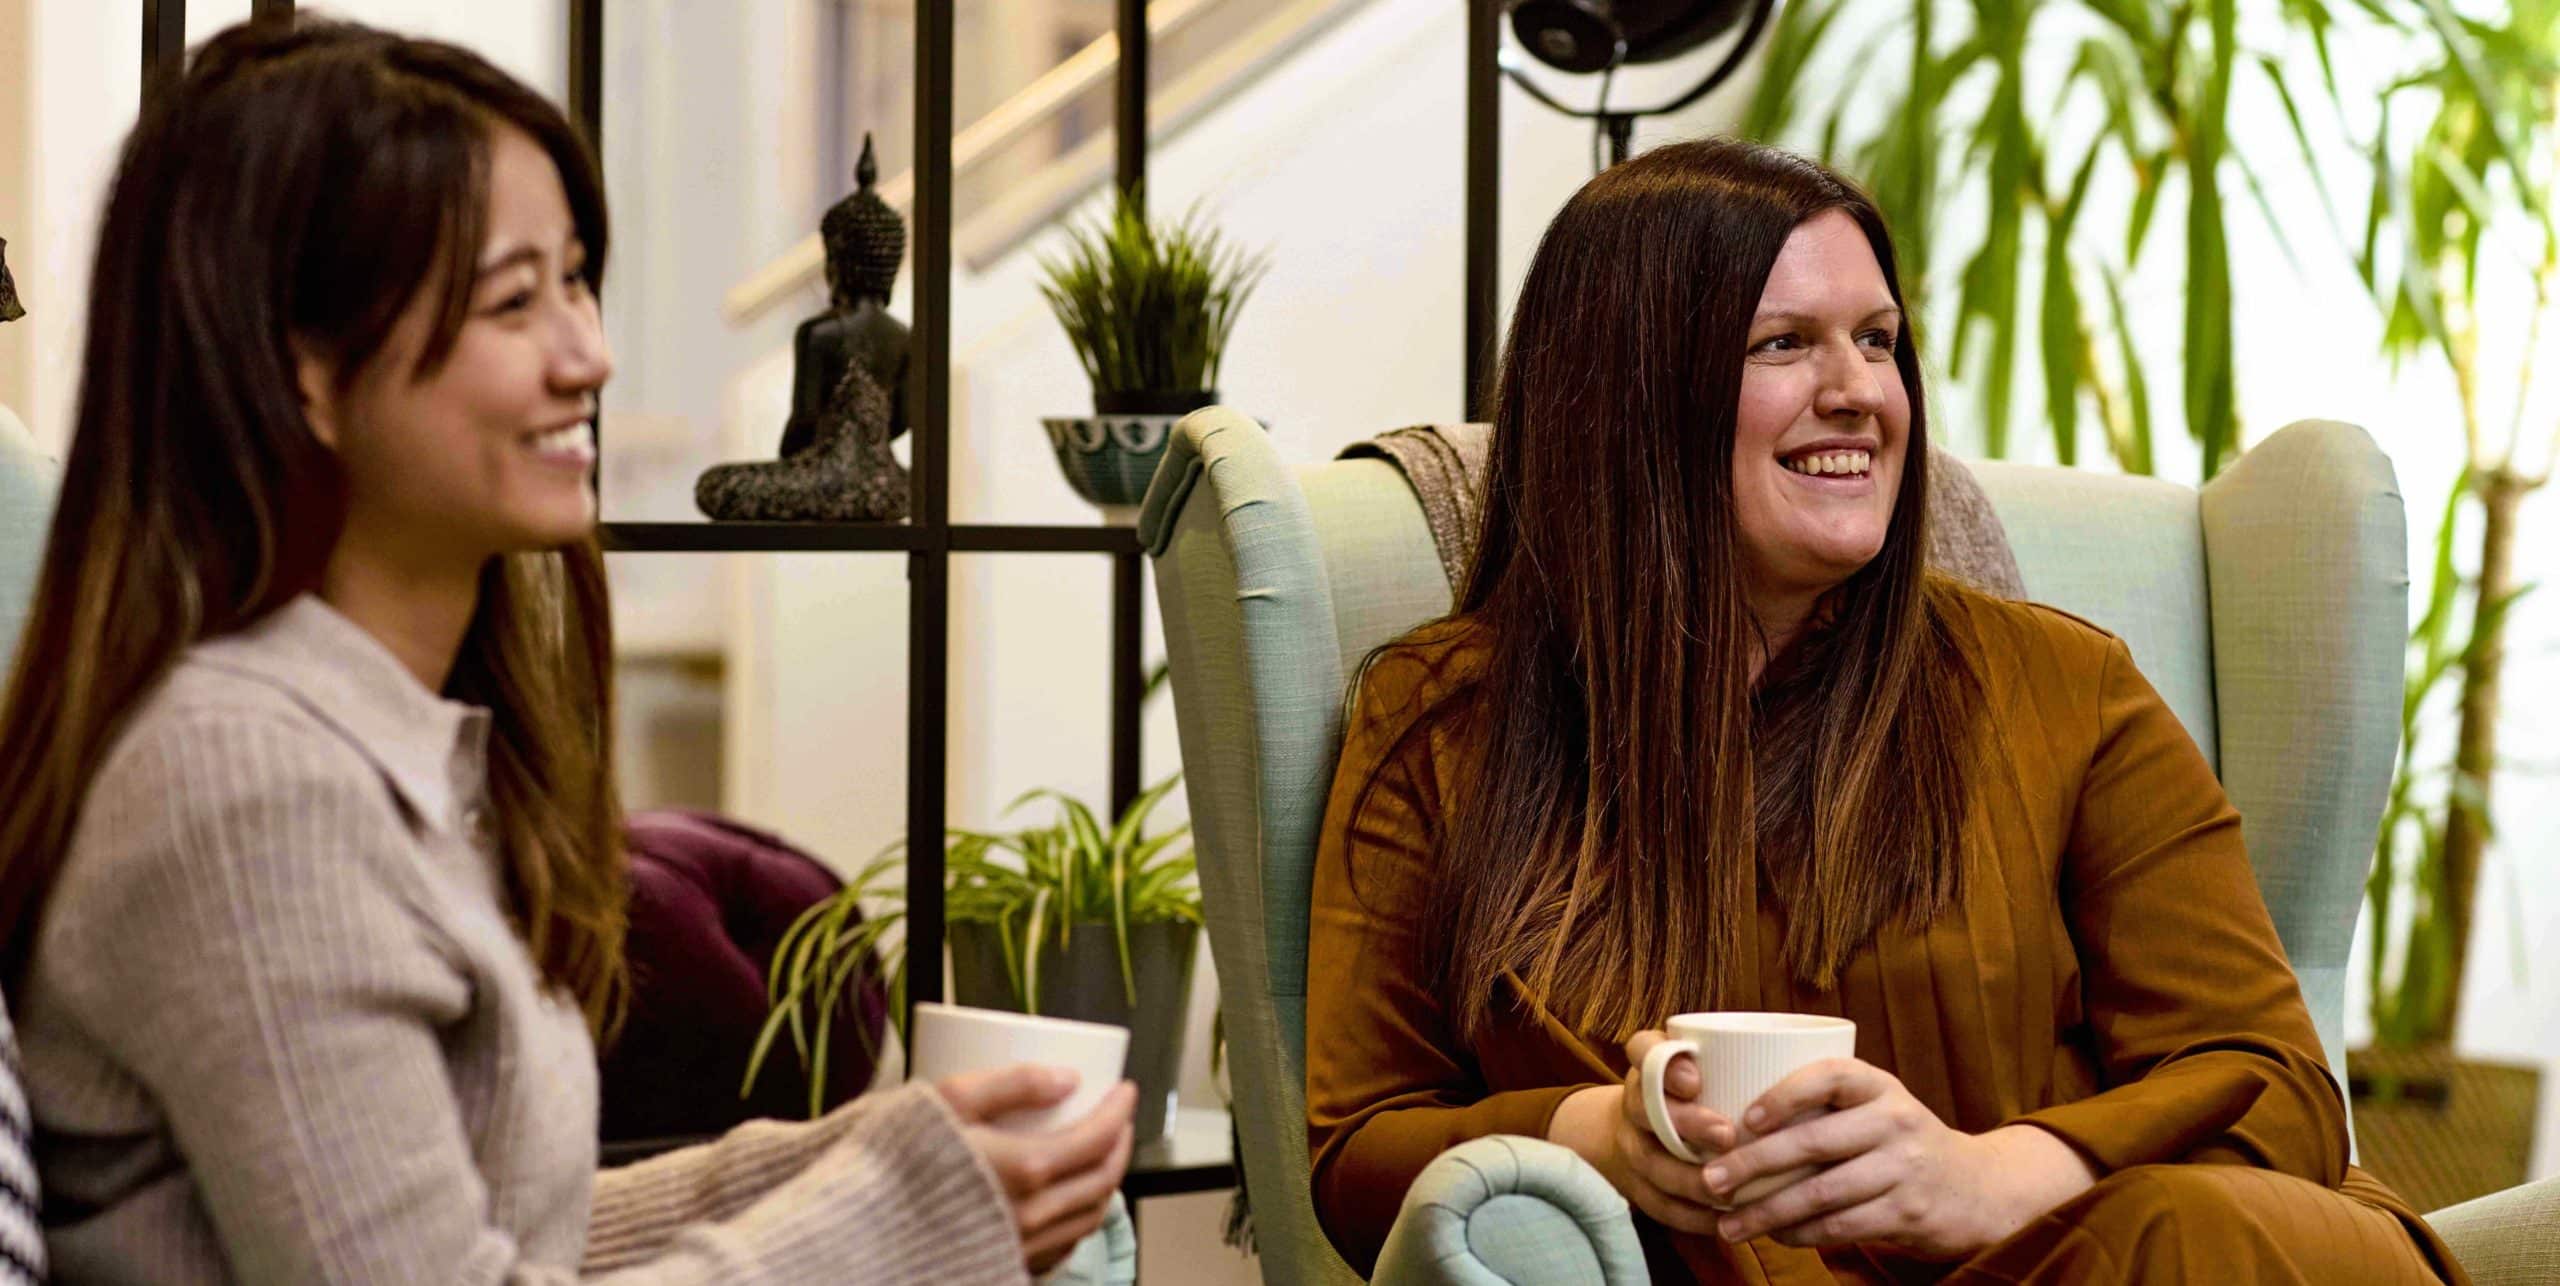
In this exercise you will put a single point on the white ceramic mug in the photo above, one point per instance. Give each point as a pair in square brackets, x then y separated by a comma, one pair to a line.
[949, 1040]
[1741, 1056]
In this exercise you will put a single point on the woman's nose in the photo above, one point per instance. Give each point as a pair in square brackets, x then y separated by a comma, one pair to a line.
[1851, 386]
[581, 359]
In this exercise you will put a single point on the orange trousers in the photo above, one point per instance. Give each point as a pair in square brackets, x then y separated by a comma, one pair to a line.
[2220, 1223]
[2154, 1225]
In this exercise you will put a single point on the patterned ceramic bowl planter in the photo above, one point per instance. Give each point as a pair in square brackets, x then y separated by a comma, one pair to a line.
[1109, 459]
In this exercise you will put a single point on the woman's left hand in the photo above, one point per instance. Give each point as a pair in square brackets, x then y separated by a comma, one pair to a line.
[1891, 1170]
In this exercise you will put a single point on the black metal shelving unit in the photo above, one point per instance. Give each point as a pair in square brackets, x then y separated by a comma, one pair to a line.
[1484, 201]
[930, 539]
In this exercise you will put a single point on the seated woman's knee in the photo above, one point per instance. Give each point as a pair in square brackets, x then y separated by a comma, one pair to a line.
[2202, 1202]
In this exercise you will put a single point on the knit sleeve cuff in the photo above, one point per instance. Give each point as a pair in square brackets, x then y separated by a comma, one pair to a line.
[636, 1208]
[900, 1198]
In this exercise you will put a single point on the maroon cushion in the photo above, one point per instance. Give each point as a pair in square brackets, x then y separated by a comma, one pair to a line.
[710, 900]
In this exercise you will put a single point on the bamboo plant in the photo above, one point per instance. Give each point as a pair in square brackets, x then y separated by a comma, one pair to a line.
[1038, 885]
[2463, 160]
[1942, 105]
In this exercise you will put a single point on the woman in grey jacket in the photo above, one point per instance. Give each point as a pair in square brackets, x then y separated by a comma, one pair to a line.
[310, 878]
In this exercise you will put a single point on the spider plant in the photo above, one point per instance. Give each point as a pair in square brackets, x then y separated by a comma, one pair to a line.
[1148, 306]
[1068, 873]
[1037, 886]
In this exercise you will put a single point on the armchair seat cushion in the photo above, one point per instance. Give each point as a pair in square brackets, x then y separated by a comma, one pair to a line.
[2508, 1238]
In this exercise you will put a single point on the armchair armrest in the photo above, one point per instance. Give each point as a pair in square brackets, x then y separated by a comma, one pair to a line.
[1506, 1209]
[2508, 1238]
[1107, 1258]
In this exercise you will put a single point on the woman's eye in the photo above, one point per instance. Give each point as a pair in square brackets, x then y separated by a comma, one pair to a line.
[1882, 339]
[1777, 344]
[515, 303]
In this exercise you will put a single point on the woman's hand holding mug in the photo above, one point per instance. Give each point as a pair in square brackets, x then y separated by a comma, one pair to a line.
[1609, 1127]
[1058, 1182]
[1042, 1103]
[1879, 1166]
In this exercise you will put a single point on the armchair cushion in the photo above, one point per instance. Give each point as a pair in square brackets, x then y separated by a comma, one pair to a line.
[2508, 1238]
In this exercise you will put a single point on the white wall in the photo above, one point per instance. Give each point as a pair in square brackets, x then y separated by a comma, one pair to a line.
[83, 82]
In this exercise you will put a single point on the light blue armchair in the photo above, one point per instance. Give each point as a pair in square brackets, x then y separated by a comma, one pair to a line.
[26, 510]
[2268, 608]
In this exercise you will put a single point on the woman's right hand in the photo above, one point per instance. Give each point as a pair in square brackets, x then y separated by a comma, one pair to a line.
[1060, 1182]
[1606, 1126]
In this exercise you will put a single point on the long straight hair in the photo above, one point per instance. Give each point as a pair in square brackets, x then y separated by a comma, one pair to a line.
[1630, 790]
[301, 183]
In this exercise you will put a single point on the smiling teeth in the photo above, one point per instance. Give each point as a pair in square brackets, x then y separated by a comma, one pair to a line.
[1831, 463]
[569, 441]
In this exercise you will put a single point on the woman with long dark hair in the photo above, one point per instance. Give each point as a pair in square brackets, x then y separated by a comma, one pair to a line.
[1704, 733]
[311, 874]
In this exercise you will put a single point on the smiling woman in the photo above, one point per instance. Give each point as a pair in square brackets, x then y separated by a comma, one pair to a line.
[311, 875]
[1706, 734]
[1821, 401]
[467, 444]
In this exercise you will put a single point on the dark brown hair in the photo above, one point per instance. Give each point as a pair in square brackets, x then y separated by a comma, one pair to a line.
[301, 183]
[1629, 788]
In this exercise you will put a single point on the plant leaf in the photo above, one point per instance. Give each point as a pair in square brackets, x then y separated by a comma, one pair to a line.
[1793, 39]
[2464, 61]
[1034, 938]
[1148, 307]
[2133, 456]
[2146, 199]
[2302, 137]
[1990, 288]
[2267, 211]
[2209, 371]
[2378, 201]
[2059, 330]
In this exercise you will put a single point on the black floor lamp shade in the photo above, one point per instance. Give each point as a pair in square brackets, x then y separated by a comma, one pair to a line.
[1595, 35]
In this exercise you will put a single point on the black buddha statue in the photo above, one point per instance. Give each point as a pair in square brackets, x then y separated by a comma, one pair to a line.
[9, 309]
[864, 240]
[848, 387]
[845, 475]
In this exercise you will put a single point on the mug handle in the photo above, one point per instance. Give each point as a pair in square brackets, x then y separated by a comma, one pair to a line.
[1657, 1062]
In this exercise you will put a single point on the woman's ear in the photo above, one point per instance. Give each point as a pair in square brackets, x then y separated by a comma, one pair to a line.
[315, 382]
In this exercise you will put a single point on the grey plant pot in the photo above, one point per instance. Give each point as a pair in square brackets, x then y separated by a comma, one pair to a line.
[1083, 981]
